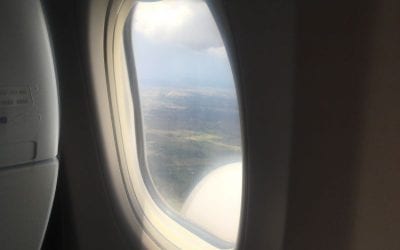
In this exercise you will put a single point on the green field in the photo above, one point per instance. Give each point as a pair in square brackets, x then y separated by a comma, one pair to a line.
[187, 134]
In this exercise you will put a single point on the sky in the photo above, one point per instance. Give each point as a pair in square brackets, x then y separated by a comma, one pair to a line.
[176, 42]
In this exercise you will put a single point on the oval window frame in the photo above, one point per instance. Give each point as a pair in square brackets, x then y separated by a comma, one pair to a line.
[166, 229]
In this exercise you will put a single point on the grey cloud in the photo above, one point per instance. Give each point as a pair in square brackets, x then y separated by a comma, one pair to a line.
[195, 28]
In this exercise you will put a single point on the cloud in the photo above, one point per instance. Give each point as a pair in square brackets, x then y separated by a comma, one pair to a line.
[219, 52]
[183, 22]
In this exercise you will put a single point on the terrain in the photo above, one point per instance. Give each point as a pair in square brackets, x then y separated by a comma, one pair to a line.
[188, 132]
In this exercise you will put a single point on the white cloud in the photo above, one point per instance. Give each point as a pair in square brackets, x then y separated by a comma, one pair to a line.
[188, 23]
[218, 52]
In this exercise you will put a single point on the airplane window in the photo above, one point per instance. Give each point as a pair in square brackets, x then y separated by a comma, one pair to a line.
[190, 123]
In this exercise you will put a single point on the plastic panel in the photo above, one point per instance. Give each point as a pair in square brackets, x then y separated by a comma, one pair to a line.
[26, 194]
[29, 125]
[28, 90]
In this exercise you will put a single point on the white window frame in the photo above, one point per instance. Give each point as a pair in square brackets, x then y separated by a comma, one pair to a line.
[158, 226]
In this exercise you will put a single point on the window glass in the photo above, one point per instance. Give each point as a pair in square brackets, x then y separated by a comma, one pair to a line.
[189, 112]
